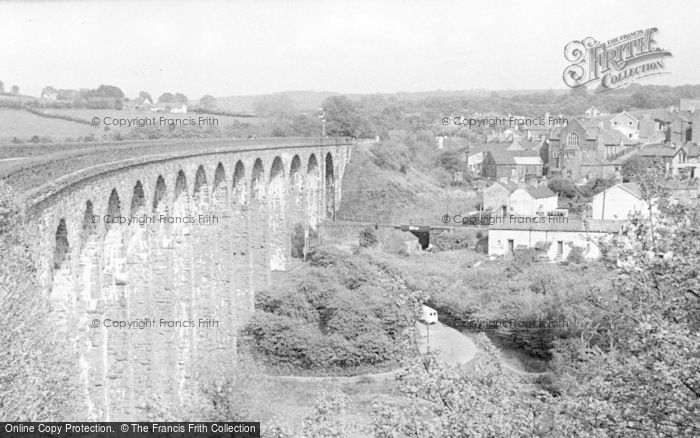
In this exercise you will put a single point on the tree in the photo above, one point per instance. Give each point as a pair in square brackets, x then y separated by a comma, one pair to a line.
[14, 90]
[207, 101]
[368, 237]
[166, 98]
[634, 167]
[145, 96]
[635, 369]
[109, 91]
[179, 98]
[563, 187]
[2, 87]
[343, 118]
[48, 90]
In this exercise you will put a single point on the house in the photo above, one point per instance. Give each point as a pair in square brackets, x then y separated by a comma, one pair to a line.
[593, 112]
[627, 124]
[178, 108]
[690, 105]
[671, 157]
[619, 202]
[552, 237]
[496, 197]
[579, 152]
[533, 200]
[474, 161]
[499, 164]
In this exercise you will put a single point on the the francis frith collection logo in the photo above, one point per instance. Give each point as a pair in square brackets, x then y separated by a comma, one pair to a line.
[615, 63]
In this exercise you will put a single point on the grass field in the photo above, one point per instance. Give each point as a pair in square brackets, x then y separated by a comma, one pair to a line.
[88, 114]
[24, 125]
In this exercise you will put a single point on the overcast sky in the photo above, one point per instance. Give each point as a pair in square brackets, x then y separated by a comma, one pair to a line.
[351, 46]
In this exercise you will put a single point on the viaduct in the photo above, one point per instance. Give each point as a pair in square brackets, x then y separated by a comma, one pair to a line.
[176, 242]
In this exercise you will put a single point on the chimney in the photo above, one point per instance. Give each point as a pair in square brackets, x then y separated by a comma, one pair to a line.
[695, 128]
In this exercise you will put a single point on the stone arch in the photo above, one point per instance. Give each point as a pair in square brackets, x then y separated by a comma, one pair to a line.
[160, 196]
[181, 199]
[330, 187]
[220, 189]
[296, 180]
[138, 200]
[296, 209]
[200, 195]
[239, 192]
[257, 181]
[90, 221]
[113, 209]
[61, 250]
[113, 253]
[312, 192]
[277, 220]
[137, 236]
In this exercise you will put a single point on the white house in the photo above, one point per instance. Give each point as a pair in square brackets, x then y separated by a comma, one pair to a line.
[627, 124]
[552, 238]
[531, 201]
[619, 202]
[474, 160]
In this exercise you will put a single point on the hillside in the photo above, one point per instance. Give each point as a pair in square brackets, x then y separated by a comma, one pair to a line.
[24, 125]
[303, 100]
[372, 186]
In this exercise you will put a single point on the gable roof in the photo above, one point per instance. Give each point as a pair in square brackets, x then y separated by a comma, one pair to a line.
[501, 157]
[623, 113]
[540, 192]
[630, 187]
[509, 186]
[658, 151]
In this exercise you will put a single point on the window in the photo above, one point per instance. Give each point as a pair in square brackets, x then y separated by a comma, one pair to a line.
[572, 140]
[560, 248]
[511, 246]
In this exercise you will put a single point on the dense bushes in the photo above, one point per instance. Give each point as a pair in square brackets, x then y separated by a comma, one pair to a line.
[332, 318]
[37, 365]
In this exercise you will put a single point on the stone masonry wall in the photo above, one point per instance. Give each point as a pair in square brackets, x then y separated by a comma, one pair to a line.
[204, 272]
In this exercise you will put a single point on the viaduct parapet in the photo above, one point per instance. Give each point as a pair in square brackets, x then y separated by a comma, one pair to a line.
[176, 237]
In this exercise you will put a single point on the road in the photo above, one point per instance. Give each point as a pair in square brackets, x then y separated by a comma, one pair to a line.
[452, 346]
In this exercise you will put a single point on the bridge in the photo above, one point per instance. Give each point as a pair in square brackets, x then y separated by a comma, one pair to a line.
[173, 237]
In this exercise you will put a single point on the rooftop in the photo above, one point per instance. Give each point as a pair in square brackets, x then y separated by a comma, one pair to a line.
[548, 223]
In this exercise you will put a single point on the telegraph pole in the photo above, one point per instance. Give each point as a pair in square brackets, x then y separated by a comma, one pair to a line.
[323, 122]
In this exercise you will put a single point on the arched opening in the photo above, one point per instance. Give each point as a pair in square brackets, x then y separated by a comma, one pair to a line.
[181, 204]
[137, 234]
[330, 187]
[113, 210]
[239, 192]
[220, 192]
[295, 178]
[160, 196]
[277, 221]
[200, 195]
[258, 229]
[114, 257]
[90, 221]
[296, 211]
[257, 181]
[62, 248]
[138, 200]
[312, 193]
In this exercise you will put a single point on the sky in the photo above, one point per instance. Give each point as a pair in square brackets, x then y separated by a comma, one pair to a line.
[351, 46]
